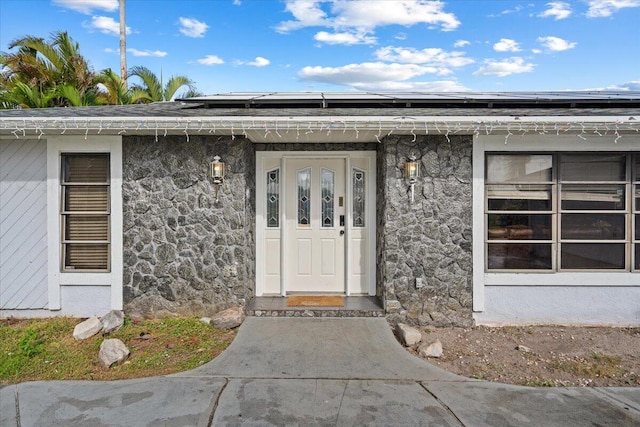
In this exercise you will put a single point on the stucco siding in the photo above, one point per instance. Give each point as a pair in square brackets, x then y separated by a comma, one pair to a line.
[23, 224]
[569, 305]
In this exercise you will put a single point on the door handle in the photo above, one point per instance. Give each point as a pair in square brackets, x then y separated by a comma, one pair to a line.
[342, 232]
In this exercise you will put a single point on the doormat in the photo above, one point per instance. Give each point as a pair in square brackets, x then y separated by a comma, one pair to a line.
[315, 301]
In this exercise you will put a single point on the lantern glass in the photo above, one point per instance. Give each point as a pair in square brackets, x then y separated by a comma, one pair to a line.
[412, 171]
[217, 170]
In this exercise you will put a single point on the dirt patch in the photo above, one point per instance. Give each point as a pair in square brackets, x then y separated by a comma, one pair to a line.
[541, 355]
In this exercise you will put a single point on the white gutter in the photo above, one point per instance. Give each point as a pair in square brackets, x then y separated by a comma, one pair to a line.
[379, 126]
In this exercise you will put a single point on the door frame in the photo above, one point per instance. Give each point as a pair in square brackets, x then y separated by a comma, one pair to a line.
[261, 190]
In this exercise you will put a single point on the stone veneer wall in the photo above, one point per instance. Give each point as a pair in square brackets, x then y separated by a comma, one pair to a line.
[429, 239]
[183, 251]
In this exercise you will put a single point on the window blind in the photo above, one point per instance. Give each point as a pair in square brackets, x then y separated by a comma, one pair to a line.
[85, 212]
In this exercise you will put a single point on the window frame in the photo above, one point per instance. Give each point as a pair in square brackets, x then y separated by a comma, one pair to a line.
[635, 212]
[630, 212]
[65, 214]
[552, 212]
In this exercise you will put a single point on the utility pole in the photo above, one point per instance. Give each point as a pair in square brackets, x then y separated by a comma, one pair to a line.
[123, 46]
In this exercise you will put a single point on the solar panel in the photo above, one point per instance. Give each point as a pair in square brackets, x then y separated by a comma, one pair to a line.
[400, 99]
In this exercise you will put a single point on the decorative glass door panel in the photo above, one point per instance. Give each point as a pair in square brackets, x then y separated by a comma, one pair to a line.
[314, 235]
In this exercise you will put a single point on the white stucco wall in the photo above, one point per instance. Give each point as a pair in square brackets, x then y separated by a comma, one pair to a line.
[567, 305]
[571, 298]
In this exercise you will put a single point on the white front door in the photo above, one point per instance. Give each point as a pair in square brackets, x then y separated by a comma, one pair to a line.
[302, 244]
[315, 202]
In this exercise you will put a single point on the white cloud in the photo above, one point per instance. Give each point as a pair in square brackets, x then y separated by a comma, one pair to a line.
[368, 73]
[434, 86]
[259, 62]
[633, 85]
[626, 86]
[87, 6]
[374, 13]
[237, 2]
[401, 36]
[507, 45]
[210, 60]
[508, 12]
[366, 15]
[105, 25]
[431, 56]
[109, 50]
[515, 65]
[155, 53]
[461, 43]
[605, 8]
[344, 38]
[191, 27]
[306, 14]
[379, 76]
[556, 44]
[557, 10]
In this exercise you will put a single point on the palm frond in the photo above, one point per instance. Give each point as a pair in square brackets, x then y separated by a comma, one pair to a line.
[175, 83]
[151, 83]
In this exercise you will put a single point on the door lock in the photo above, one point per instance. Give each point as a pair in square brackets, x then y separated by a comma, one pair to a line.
[341, 220]
[342, 232]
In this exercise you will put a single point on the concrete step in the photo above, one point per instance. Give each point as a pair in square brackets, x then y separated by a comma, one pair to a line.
[357, 306]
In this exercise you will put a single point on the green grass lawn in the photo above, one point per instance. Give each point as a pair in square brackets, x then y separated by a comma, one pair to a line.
[44, 349]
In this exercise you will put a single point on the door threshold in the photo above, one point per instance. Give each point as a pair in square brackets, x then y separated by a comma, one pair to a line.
[354, 306]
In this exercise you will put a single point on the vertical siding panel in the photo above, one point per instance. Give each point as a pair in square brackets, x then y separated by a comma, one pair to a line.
[23, 224]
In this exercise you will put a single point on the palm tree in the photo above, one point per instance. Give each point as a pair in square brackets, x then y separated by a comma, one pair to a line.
[22, 95]
[123, 45]
[152, 89]
[46, 68]
[115, 88]
[192, 93]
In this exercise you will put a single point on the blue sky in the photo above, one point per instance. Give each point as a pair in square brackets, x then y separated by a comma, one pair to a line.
[338, 45]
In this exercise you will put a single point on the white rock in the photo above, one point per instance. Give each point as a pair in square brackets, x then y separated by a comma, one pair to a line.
[206, 320]
[112, 351]
[87, 329]
[229, 318]
[112, 321]
[523, 348]
[430, 350]
[408, 335]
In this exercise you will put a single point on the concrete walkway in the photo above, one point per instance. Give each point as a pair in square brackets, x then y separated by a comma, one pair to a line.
[313, 371]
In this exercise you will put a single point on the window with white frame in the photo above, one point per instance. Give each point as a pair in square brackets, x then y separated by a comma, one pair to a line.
[562, 211]
[85, 212]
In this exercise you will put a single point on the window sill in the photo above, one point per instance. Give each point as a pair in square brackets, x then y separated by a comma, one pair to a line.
[86, 278]
[529, 278]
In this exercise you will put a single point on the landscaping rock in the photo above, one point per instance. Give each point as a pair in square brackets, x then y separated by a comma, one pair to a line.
[408, 335]
[229, 318]
[87, 329]
[112, 351]
[523, 348]
[431, 350]
[112, 321]
[206, 320]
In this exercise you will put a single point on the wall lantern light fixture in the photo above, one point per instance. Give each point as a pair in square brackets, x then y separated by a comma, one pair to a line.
[412, 173]
[217, 173]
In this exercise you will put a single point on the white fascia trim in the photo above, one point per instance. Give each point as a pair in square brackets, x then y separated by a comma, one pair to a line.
[227, 125]
[67, 144]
